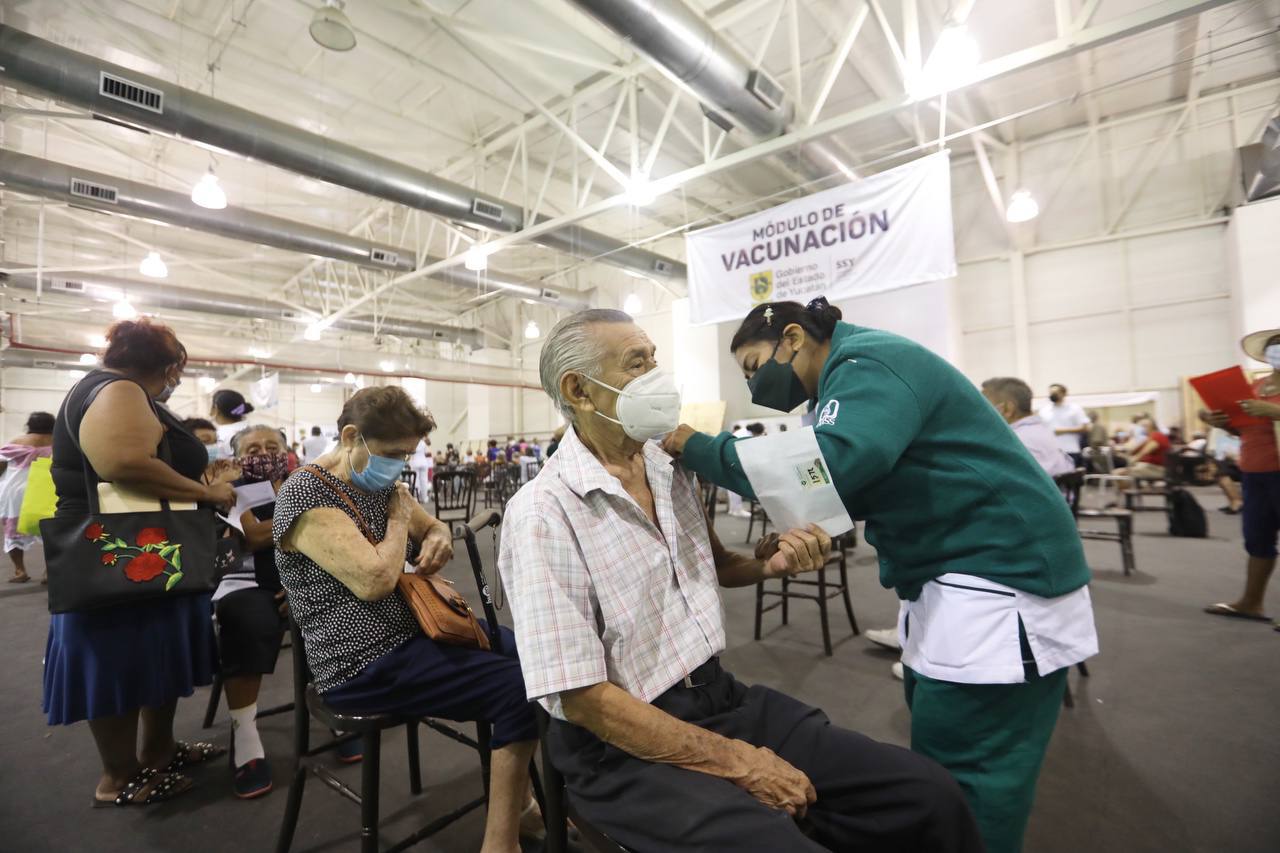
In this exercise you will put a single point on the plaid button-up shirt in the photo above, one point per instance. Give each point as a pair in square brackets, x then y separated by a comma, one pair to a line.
[597, 592]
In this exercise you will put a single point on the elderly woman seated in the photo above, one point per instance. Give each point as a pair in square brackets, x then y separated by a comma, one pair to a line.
[366, 651]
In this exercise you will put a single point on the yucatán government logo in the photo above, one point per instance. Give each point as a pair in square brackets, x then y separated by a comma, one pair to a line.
[761, 284]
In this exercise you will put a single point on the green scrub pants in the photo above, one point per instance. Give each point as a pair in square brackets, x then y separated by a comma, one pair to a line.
[992, 737]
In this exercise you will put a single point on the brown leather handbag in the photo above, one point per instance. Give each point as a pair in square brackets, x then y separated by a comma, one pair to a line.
[441, 611]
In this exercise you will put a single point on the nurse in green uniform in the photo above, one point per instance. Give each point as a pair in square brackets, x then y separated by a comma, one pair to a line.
[971, 533]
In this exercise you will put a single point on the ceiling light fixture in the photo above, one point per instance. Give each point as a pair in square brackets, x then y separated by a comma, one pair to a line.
[1022, 207]
[98, 341]
[949, 65]
[350, 379]
[316, 387]
[88, 358]
[330, 27]
[206, 383]
[315, 330]
[387, 366]
[122, 310]
[640, 192]
[477, 258]
[532, 332]
[259, 352]
[77, 374]
[153, 266]
[207, 192]
[632, 305]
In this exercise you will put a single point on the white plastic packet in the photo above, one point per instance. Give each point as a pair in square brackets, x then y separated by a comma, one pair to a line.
[792, 481]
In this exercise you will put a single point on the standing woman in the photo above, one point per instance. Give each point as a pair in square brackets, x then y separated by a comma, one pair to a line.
[126, 665]
[971, 533]
[15, 466]
[1260, 478]
[228, 413]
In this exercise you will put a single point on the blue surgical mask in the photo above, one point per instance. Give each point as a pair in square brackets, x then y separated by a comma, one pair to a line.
[381, 472]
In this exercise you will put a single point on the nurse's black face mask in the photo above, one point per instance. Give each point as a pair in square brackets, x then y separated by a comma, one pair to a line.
[775, 385]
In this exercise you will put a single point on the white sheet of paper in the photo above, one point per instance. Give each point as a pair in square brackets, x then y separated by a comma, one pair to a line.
[247, 497]
[793, 482]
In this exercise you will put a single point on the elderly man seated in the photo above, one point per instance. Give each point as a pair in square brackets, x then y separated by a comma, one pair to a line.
[1011, 397]
[612, 574]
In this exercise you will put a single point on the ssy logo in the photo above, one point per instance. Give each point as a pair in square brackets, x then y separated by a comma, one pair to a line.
[761, 284]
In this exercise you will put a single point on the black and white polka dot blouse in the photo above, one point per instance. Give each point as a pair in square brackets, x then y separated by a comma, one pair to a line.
[342, 634]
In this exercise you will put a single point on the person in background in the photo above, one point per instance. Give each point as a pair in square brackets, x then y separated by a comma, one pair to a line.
[204, 430]
[1146, 454]
[421, 464]
[314, 446]
[1260, 469]
[1012, 399]
[493, 452]
[366, 651]
[756, 429]
[123, 668]
[554, 444]
[782, 428]
[249, 606]
[15, 466]
[1067, 420]
[735, 500]
[451, 456]
[293, 455]
[522, 446]
[535, 449]
[228, 412]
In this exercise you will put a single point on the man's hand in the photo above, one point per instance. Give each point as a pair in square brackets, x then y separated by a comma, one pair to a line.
[1215, 418]
[1260, 409]
[675, 441]
[796, 551]
[773, 781]
[436, 551]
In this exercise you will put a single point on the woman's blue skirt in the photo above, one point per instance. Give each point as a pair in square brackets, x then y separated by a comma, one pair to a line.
[103, 663]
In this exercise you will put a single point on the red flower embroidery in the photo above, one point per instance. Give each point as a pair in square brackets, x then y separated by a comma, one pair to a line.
[109, 559]
[93, 532]
[144, 567]
[151, 536]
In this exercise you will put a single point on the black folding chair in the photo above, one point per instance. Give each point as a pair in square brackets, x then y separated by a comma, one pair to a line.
[215, 696]
[709, 492]
[757, 515]
[454, 493]
[557, 808]
[1071, 484]
[824, 591]
[410, 478]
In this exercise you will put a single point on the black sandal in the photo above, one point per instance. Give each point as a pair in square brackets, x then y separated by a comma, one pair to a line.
[187, 754]
[168, 786]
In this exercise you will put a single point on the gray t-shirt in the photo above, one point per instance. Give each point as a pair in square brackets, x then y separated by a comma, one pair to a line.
[342, 633]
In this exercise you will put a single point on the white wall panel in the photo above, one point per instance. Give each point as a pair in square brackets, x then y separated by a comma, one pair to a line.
[1069, 282]
[1088, 355]
[982, 294]
[1180, 340]
[1185, 264]
[988, 353]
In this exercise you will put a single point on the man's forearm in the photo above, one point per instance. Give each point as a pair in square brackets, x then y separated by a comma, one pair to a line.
[734, 569]
[650, 734]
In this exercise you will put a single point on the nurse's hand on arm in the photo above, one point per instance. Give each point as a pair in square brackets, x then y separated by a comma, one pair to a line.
[651, 734]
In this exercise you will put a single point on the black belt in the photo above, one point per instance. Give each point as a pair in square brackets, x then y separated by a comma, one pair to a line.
[701, 675]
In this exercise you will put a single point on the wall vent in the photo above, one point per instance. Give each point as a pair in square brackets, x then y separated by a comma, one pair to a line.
[126, 91]
[766, 89]
[486, 209]
[662, 267]
[88, 189]
[67, 285]
[381, 256]
[550, 296]
[718, 119]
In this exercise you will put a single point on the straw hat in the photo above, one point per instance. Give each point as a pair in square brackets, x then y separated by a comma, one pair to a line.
[1255, 345]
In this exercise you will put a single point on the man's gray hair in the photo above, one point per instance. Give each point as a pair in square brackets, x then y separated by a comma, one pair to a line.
[1010, 389]
[572, 348]
[238, 437]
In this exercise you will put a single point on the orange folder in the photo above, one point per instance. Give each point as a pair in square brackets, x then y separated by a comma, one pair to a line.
[1223, 390]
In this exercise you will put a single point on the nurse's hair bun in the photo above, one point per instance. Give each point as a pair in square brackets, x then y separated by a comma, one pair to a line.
[768, 321]
[826, 313]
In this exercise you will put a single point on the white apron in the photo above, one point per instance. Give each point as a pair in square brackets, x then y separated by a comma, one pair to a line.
[965, 629]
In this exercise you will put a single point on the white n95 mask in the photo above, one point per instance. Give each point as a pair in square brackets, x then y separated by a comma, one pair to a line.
[648, 406]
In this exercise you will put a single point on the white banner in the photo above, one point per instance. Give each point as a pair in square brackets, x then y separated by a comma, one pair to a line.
[883, 232]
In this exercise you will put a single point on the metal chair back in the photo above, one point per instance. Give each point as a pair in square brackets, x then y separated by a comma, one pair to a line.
[454, 493]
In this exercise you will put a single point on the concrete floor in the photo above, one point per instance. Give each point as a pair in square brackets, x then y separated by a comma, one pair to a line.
[1171, 747]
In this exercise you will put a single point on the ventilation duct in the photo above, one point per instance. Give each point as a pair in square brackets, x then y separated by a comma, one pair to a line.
[733, 92]
[109, 194]
[34, 64]
[1260, 164]
[149, 295]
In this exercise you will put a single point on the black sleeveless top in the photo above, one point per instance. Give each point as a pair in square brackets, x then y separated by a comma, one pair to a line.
[187, 454]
